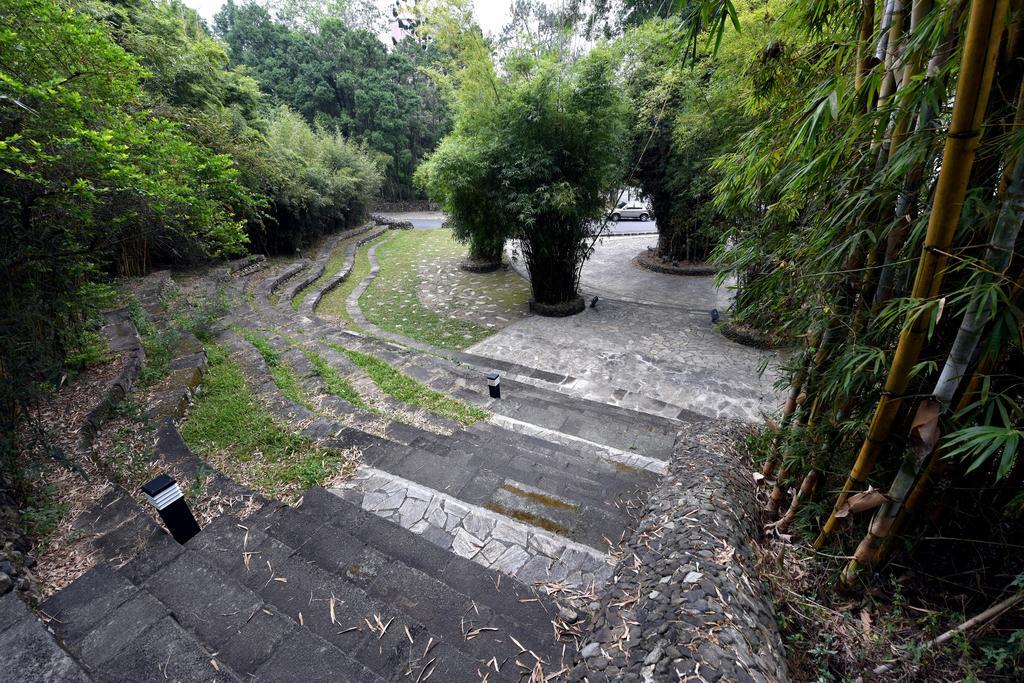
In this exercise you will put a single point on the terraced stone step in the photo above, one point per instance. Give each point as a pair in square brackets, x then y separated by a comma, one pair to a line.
[621, 428]
[388, 603]
[494, 540]
[540, 486]
[30, 652]
[119, 632]
[356, 240]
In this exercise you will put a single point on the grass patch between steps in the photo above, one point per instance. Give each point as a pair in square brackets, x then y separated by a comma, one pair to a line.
[229, 429]
[336, 384]
[333, 303]
[284, 377]
[409, 391]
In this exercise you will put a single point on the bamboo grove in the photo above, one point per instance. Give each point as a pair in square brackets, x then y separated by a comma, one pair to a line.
[877, 207]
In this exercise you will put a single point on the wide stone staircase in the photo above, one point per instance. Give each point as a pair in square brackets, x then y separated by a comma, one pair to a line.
[322, 591]
[455, 553]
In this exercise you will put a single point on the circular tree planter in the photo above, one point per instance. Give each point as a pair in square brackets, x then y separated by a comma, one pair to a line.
[749, 336]
[471, 265]
[651, 261]
[559, 310]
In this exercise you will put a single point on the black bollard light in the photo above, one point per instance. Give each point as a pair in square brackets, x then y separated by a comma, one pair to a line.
[494, 384]
[165, 495]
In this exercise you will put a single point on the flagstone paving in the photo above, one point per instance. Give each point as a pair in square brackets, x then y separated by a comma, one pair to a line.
[651, 334]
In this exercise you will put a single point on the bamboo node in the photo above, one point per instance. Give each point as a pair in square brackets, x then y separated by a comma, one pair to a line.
[965, 135]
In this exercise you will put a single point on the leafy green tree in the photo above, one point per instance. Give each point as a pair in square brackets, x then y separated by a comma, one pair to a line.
[533, 154]
[343, 77]
[91, 180]
[329, 181]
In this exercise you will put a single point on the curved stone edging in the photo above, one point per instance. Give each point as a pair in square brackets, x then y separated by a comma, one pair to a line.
[560, 310]
[474, 266]
[123, 337]
[687, 603]
[749, 337]
[318, 265]
[644, 260]
[240, 267]
[391, 222]
[356, 313]
[272, 284]
[311, 302]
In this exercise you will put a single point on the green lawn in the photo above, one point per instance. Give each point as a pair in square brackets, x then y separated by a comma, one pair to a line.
[333, 303]
[409, 391]
[392, 300]
[230, 429]
[284, 376]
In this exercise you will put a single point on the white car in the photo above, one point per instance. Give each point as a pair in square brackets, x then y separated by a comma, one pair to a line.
[635, 210]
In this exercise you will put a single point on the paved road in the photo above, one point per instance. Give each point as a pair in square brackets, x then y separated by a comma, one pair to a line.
[425, 220]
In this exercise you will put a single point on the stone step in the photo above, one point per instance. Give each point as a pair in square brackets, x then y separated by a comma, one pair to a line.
[118, 527]
[119, 632]
[541, 488]
[518, 601]
[387, 632]
[359, 237]
[517, 484]
[621, 428]
[386, 562]
[493, 540]
[30, 652]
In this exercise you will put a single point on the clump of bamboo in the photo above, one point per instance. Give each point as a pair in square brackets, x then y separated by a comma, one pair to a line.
[981, 48]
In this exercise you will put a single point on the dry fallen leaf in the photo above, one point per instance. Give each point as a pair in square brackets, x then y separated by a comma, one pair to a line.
[860, 502]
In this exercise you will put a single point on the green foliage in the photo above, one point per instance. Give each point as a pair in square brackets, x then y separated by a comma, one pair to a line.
[328, 185]
[270, 355]
[534, 151]
[407, 390]
[336, 384]
[90, 179]
[43, 515]
[343, 78]
[684, 113]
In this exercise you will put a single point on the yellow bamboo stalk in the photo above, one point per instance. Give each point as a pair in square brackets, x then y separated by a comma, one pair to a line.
[981, 48]
[867, 29]
[936, 464]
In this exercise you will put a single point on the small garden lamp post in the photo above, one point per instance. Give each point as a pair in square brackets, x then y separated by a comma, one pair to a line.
[494, 384]
[165, 495]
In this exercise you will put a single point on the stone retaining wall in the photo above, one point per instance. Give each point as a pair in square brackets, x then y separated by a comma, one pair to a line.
[686, 602]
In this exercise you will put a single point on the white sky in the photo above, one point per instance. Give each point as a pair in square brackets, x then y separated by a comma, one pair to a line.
[490, 14]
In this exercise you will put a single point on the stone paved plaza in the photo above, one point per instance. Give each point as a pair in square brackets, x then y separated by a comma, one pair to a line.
[650, 334]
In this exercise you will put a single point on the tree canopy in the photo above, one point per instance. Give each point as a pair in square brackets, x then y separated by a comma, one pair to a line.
[537, 146]
[342, 77]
